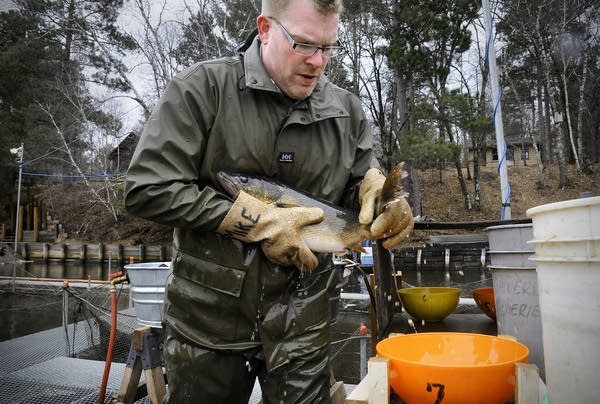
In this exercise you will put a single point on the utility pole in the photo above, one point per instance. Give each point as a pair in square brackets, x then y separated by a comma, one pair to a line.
[19, 152]
[497, 113]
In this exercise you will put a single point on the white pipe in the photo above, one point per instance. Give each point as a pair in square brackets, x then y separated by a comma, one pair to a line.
[465, 301]
[354, 296]
[498, 125]
[20, 152]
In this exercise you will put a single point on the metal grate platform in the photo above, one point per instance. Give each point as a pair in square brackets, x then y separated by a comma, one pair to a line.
[61, 380]
[35, 370]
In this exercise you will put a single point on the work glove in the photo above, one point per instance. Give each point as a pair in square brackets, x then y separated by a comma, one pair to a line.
[391, 221]
[276, 229]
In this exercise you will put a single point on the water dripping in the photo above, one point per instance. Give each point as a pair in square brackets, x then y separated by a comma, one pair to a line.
[257, 320]
[447, 266]
[411, 323]
[254, 331]
[419, 257]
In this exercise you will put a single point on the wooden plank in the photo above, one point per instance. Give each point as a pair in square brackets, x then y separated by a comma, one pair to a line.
[155, 383]
[466, 225]
[337, 393]
[374, 388]
[36, 224]
[155, 380]
[528, 384]
[129, 383]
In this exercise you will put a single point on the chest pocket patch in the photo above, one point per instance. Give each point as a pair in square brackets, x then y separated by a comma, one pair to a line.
[286, 157]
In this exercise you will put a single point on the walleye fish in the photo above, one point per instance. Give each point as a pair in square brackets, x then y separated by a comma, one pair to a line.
[340, 229]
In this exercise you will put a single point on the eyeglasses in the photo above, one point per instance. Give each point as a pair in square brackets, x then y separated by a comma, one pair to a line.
[306, 49]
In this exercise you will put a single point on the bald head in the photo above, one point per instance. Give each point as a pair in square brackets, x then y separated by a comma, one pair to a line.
[278, 8]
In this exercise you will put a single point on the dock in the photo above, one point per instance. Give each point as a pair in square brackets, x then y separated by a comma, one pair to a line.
[36, 368]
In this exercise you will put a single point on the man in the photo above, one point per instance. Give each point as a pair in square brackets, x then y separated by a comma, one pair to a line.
[247, 297]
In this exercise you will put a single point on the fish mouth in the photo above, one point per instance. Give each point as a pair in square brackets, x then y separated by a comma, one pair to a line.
[228, 185]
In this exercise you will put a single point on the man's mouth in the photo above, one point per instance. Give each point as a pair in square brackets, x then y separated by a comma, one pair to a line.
[308, 77]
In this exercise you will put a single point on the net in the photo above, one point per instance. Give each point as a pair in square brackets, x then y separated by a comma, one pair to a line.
[55, 339]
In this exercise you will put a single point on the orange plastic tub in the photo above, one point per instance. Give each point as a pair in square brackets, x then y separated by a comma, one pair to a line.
[452, 368]
[484, 297]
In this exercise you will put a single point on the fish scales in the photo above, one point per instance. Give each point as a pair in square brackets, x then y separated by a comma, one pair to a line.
[340, 229]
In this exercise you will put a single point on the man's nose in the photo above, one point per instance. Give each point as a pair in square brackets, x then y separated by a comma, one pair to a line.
[318, 59]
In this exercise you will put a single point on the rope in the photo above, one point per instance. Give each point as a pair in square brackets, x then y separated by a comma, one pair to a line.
[63, 176]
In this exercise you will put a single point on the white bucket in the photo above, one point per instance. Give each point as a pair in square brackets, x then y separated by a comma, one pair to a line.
[567, 256]
[515, 287]
[512, 259]
[518, 309]
[147, 288]
[510, 237]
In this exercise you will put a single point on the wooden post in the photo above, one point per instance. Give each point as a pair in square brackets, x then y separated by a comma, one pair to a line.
[24, 254]
[373, 311]
[45, 252]
[374, 388]
[383, 268]
[144, 348]
[337, 393]
[528, 383]
[44, 217]
[36, 224]
[141, 253]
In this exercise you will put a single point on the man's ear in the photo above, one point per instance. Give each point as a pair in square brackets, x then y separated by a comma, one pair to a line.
[264, 28]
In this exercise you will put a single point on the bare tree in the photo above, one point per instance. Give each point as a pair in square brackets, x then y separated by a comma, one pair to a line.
[91, 123]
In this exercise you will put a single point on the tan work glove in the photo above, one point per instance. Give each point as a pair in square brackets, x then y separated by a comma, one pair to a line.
[276, 229]
[393, 221]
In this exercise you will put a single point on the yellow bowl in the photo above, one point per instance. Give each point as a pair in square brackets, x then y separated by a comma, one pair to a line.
[429, 303]
[484, 297]
[452, 368]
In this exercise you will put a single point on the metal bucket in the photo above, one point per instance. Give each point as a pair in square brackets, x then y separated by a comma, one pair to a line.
[147, 290]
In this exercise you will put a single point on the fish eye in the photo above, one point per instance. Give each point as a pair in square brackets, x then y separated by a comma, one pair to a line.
[243, 179]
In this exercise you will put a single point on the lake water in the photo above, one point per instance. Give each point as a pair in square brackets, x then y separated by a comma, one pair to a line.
[38, 306]
[35, 310]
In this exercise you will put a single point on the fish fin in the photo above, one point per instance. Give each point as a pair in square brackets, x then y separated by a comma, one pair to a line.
[358, 248]
[286, 205]
[286, 202]
[402, 170]
[392, 188]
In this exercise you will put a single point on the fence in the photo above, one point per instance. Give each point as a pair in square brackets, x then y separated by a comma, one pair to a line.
[92, 252]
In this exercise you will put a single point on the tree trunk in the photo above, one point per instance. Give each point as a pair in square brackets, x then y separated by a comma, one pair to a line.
[445, 127]
[477, 174]
[580, 146]
[415, 186]
[563, 77]
[562, 164]
[458, 165]
[463, 185]
[543, 151]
